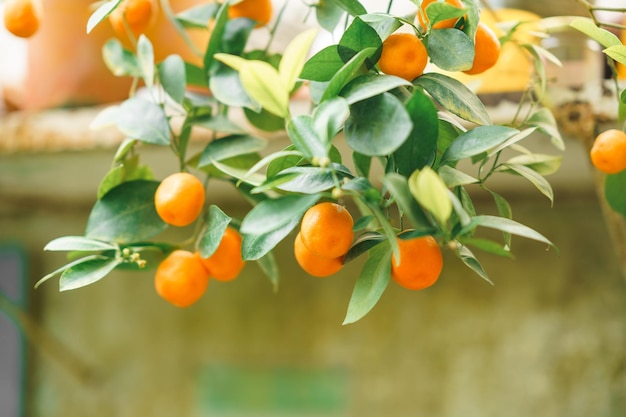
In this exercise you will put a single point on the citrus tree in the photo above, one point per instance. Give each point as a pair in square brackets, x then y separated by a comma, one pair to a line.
[418, 140]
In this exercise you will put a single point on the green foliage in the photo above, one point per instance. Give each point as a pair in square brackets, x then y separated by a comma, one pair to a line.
[432, 138]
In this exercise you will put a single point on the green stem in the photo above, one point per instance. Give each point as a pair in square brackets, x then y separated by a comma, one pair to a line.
[169, 13]
[275, 27]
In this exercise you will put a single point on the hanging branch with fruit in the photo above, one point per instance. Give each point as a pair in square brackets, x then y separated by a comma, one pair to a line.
[419, 140]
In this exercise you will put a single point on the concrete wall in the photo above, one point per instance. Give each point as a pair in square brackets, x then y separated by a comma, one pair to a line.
[547, 340]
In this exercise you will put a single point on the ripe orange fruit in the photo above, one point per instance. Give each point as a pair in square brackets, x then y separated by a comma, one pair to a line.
[447, 23]
[258, 10]
[179, 199]
[134, 15]
[420, 262]
[326, 229]
[181, 278]
[226, 263]
[487, 50]
[312, 263]
[23, 17]
[403, 55]
[608, 153]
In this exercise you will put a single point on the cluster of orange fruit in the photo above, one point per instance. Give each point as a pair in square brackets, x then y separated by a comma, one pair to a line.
[183, 276]
[608, 153]
[22, 18]
[404, 54]
[326, 234]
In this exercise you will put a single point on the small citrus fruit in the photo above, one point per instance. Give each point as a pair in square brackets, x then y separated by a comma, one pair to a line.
[23, 17]
[443, 24]
[312, 263]
[226, 262]
[420, 262]
[136, 15]
[326, 229]
[487, 50]
[258, 10]
[181, 279]
[179, 199]
[608, 153]
[403, 55]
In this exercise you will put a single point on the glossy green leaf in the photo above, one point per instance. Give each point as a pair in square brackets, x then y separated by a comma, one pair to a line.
[273, 214]
[600, 35]
[263, 84]
[504, 210]
[420, 148]
[87, 272]
[126, 214]
[197, 17]
[398, 187]
[370, 85]
[476, 141]
[371, 283]
[540, 163]
[257, 246]
[346, 73]
[470, 260]
[543, 119]
[144, 120]
[210, 239]
[535, 178]
[78, 243]
[489, 246]
[617, 53]
[294, 58]
[305, 138]
[450, 49]
[230, 147]
[518, 137]
[431, 192]
[329, 118]
[120, 61]
[264, 120]
[226, 86]
[323, 65]
[217, 34]
[378, 125]
[269, 266]
[357, 37]
[309, 180]
[455, 97]
[615, 192]
[437, 12]
[382, 23]
[509, 226]
[453, 177]
[145, 58]
[172, 76]
[328, 14]
[353, 7]
[101, 13]
[217, 123]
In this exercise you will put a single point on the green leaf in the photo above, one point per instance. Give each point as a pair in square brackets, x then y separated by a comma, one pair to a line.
[432, 194]
[262, 83]
[210, 239]
[120, 61]
[217, 34]
[328, 14]
[105, 118]
[504, 210]
[384, 24]
[309, 180]
[353, 7]
[273, 214]
[197, 17]
[357, 37]
[420, 148]
[101, 13]
[217, 123]
[437, 12]
[476, 141]
[230, 147]
[450, 49]
[399, 189]
[346, 73]
[455, 97]
[264, 120]
[453, 177]
[535, 178]
[371, 283]
[305, 138]
[78, 243]
[126, 214]
[294, 58]
[87, 272]
[540, 163]
[143, 120]
[509, 226]
[65, 267]
[615, 192]
[489, 246]
[145, 58]
[518, 137]
[172, 75]
[470, 260]
[545, 122]
[378, 125]
[226, 86]
[329, 118]
[617, 53]
[370, 85]
[269, 266]
[323, 65]
[112, 179]
[257, 246]
[600, 35]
